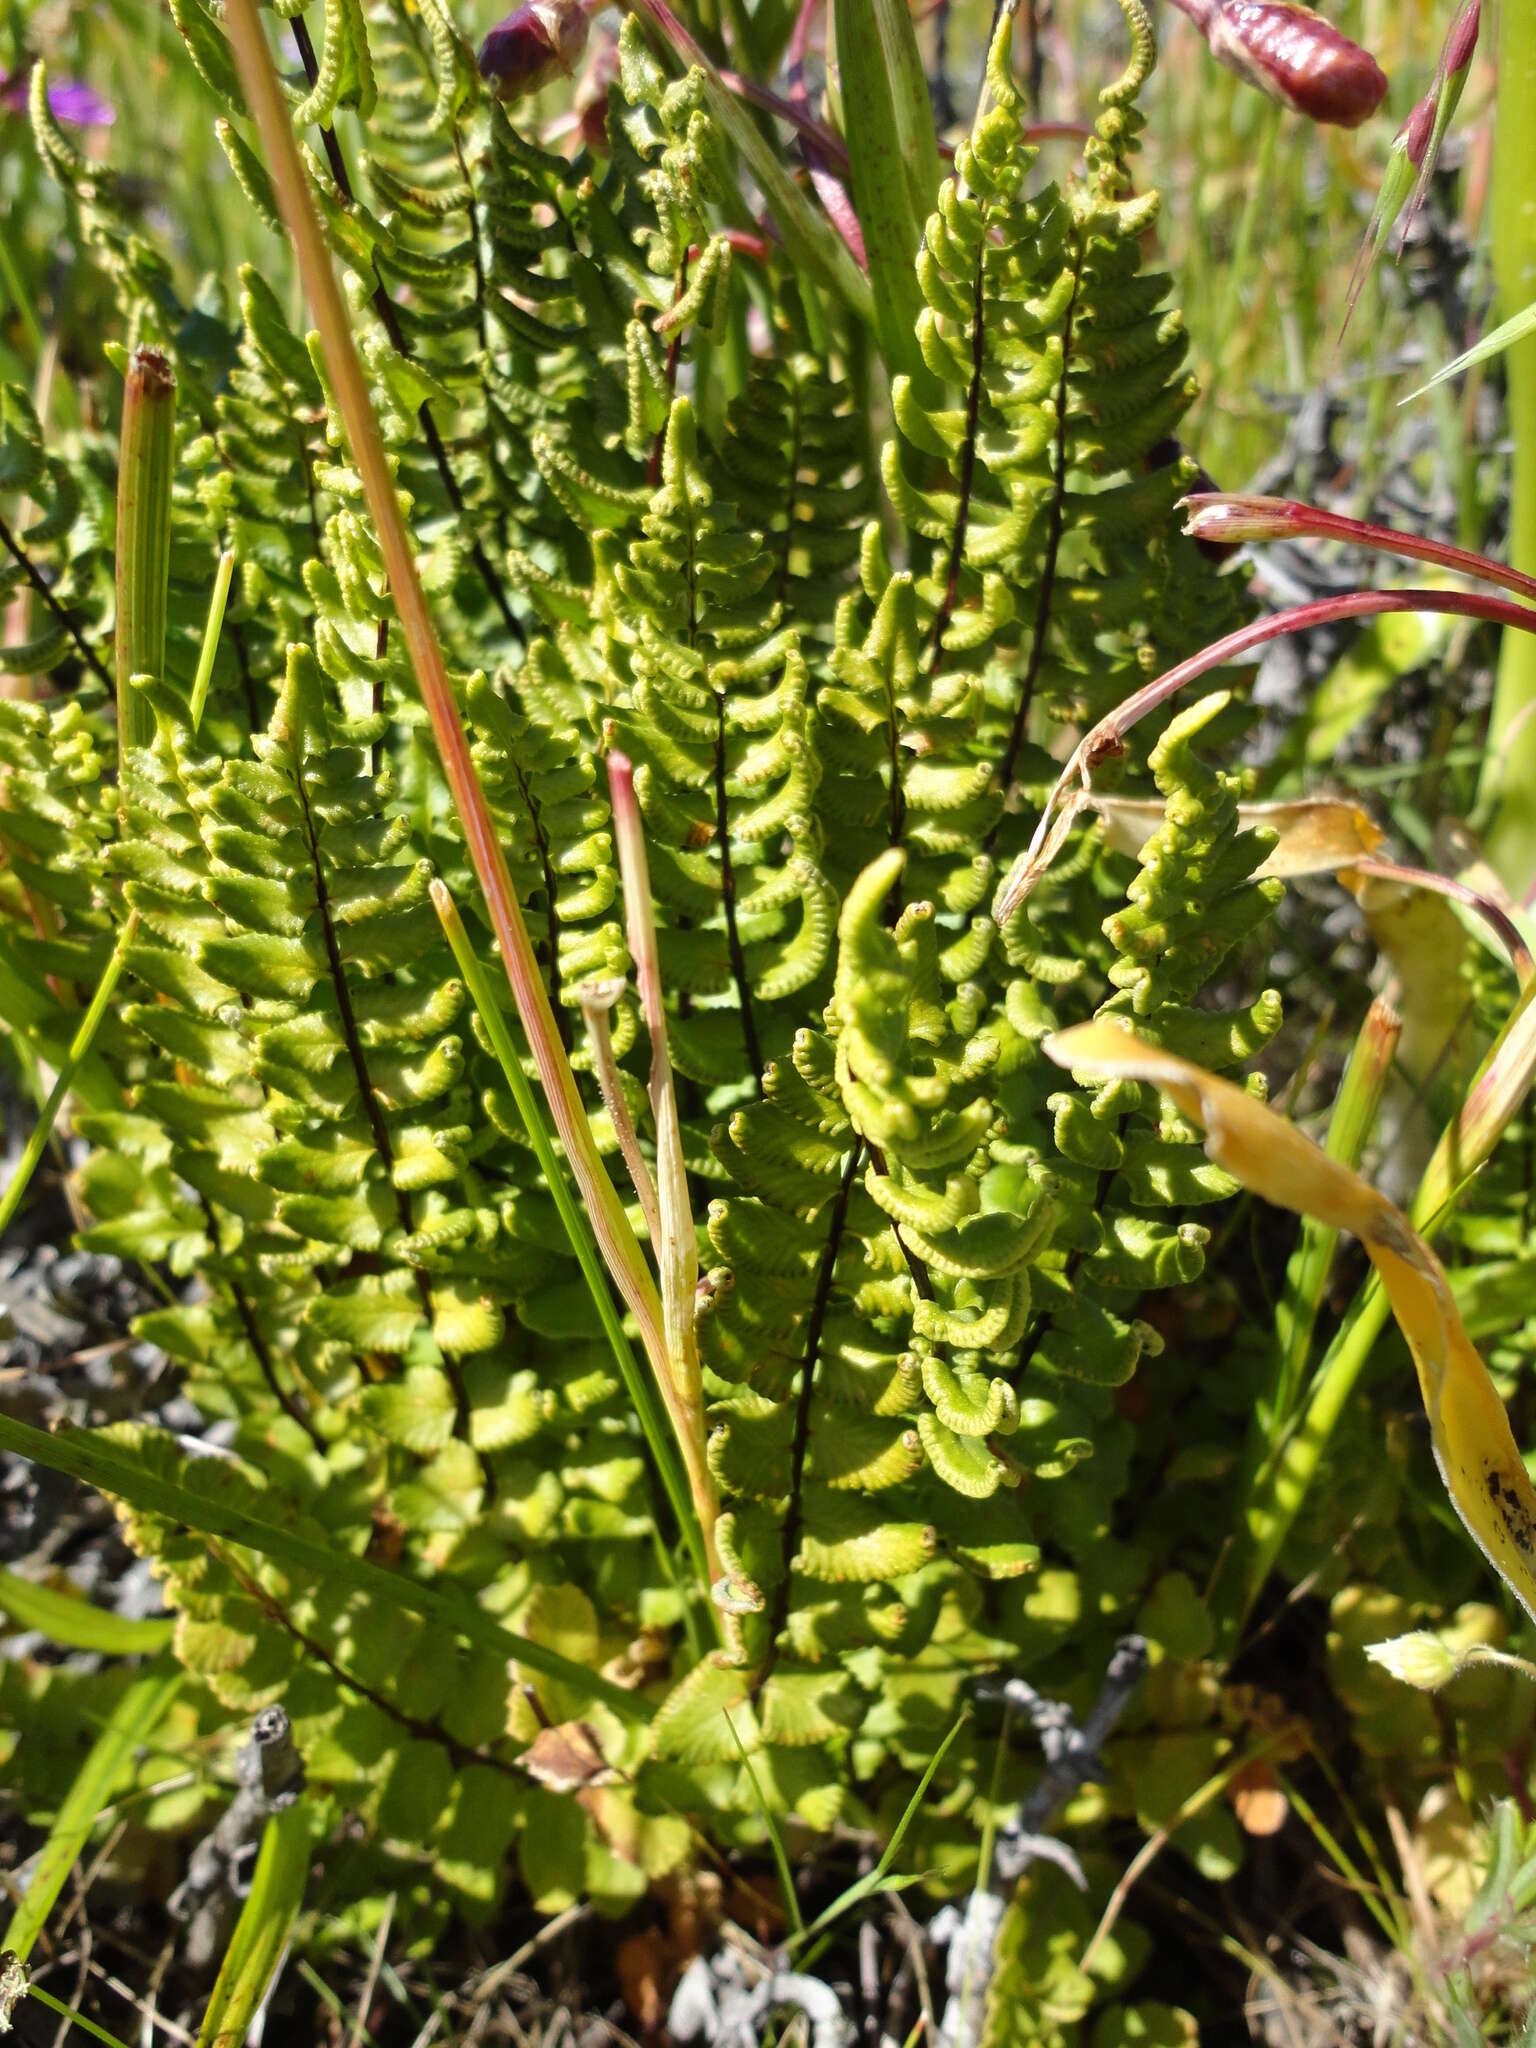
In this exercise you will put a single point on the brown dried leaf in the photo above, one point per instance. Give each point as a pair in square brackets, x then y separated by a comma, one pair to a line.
[567, 1758]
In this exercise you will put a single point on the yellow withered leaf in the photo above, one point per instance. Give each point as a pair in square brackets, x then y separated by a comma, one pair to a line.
[1473, 1444]
[1315, 835]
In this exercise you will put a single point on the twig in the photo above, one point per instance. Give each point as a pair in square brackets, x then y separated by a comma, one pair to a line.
[40, 584]
[375, 1963]
[271, 1777]
[1071, 1760]
[718, 2002]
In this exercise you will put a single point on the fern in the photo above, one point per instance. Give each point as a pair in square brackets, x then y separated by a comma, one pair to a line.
[631, 449]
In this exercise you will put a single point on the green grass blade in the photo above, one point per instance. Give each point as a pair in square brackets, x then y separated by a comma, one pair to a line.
[1504, 336]
[898, 1833]
[261, 1934]
[71, 1621]
[775, 1840]
[137, 1715]
[98, 1462]
[1354, 1116]
[894, 160]
[638, 1384]
[880, 1879]
[80, 1045]
[77, 2020]
[211, 632]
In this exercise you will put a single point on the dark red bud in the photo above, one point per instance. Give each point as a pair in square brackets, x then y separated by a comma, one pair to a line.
[1462, 40]
[1297, 57]
[541, 41]
[1419, 128]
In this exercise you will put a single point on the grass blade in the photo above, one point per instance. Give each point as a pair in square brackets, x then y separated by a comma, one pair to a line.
[211, 632]
[260, 1939]
[781, 1861]
[80, 1045]
[135, 1718]
[1483, 1472]
[1504, 336]
[76, 2020]
[880, 1877]
[1306, 1276]
[73, 1622]
[98, 1462]
[677, 1248]
[894, 163]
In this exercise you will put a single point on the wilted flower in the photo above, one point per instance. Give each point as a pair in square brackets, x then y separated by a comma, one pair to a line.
[544, 39]
[68, 100]
[1418, 1659]
[1294, 55]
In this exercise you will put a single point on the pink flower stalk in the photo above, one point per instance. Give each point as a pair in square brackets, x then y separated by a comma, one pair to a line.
[542, 40]
[1294, 55]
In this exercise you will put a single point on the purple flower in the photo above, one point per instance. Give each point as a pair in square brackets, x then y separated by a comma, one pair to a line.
[68, 100]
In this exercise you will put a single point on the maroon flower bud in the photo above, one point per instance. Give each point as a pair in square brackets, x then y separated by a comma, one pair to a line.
[1294, 55]
[1462, 40]
[1417, 132]
[543, 40]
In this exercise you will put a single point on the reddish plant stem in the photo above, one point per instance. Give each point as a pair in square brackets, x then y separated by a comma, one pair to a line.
[1237, 517]
[1108, 736]
[1493, 914]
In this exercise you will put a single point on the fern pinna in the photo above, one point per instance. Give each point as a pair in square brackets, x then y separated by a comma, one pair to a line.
[629, 445]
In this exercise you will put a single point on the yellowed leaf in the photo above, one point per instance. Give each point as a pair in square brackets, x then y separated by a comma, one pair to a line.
[1469, 1430]
[1317, 835]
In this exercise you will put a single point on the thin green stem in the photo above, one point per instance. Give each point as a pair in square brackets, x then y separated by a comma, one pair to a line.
[1509, 768]
[641, 1391]
[75, 2019]
[786, 1875]
[677, 1251]
[79, 1046]
[211, 632]
[1354, 1115]
[133, 1721]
